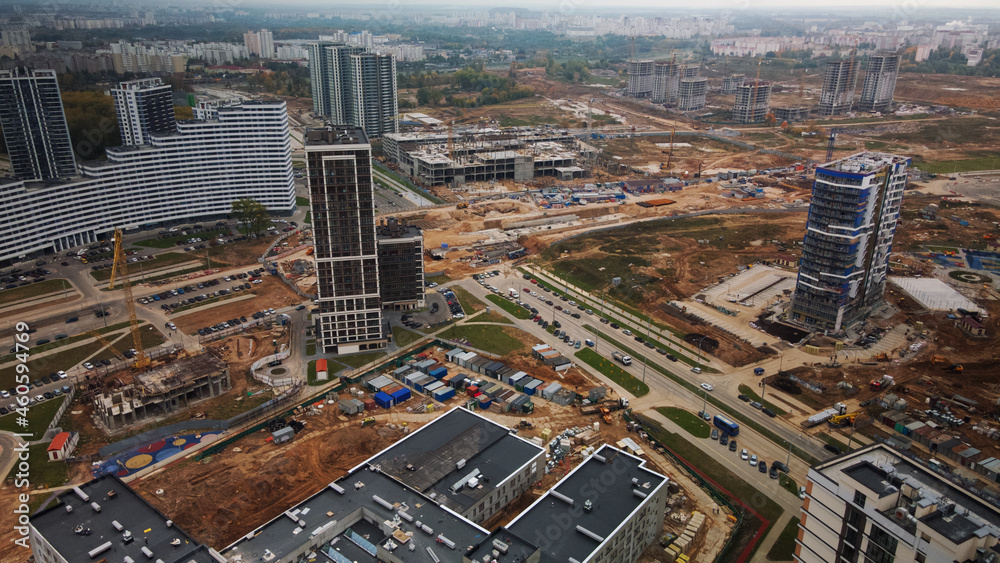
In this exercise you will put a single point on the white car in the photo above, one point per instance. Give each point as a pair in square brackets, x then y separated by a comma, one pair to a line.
[696, 369]
[88, 365]
[744, 455]
[61, 374]
[706, 387]
[802, 491]
[627, 332]
[753, 460]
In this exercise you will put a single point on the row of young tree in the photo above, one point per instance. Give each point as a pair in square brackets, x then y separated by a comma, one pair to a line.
[469, 87]
[252, 214]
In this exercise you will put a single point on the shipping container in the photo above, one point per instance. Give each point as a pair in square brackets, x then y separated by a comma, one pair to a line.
[370, 404]
[379, 382]
[550, 390]
[472, 390]
[517, 378]
[383, 400]
[532, 386]
[401, 395]
[484, 402]
[444, 393]
[431, 387]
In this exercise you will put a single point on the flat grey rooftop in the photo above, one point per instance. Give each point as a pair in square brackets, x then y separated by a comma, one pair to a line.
[148, 526]
[358, 510]
[336, 135]
[518, 550]
[434, 452]
[551, 523]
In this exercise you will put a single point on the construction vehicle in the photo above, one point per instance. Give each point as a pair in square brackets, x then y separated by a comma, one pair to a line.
[939, 360]
[369, 421]
[525, 424]
[957, 368]
[119, 269]
[625, 360]
[609, 405]
[844, 419]
[462, 205]
[880, 384]
[606, 414]
[881, 357]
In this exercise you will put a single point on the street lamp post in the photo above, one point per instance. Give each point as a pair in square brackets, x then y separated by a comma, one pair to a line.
[700, 340]
[644, 354]
[601, 315]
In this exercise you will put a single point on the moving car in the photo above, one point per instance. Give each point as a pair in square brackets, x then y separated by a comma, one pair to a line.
[707, 387]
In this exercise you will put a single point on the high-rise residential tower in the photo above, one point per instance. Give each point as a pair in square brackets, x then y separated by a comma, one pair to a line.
[353, 86]
[342, 202]
[259, 43]
[839, 81]
[640, 79]
[753, 102]
[144, 106]
[880, 83]
[34, 125]
[666, 79]
[845, 254]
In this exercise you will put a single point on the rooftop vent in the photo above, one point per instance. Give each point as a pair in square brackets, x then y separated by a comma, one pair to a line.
[446, 541]
[117, 526]
[95, 506]
[589, 534]
[112, 494]
[145, 551]
[339, 490]
[99, 549]
[83, 496]
[562, 497]
[69, 509]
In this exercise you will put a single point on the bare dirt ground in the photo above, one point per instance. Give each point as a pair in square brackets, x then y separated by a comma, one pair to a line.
[271, 294]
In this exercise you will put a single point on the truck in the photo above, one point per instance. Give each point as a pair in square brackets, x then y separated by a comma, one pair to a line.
[625, 360]
[726, 425]
[513, 293]
[609, 405]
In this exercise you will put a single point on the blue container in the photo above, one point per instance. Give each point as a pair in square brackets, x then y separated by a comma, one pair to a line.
[438, 373]
[383, 400]
[401, 395]
[444, 393]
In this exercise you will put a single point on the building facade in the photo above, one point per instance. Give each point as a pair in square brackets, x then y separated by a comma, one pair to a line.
[400, 265]
[880, 83]
[640, 79]
[874, 505]
[666, 79]
[34, 125]
[753, 102]
[845, 254]
[353, 86]
[260, 43]
[143, 106]
[840, 78]
[691, 93]
[196, 172]
[338, 164]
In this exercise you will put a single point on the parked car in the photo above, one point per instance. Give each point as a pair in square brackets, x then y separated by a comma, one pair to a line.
[715, 434]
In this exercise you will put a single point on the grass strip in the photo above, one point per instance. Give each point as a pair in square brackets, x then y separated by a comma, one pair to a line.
[310, 347]
[359, 360]
[158, 261]
[491, 317]
[39, 417]
[788, 483]
[693, 424]
[518, 311]
[485, 337]
[623, 378]
[400, 336]
[469, 302]
[670, 350]
[39, 289]
[170, 242]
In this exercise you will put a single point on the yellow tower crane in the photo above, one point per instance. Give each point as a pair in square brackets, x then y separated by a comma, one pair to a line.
[104, 341]
[120, 269]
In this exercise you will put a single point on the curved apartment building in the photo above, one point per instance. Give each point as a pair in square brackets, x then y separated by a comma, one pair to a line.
[244, 150]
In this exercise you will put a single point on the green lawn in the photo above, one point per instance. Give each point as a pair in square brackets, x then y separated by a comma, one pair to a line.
[44, 473]
[359, 360]
[611, 370]
[784, 547]
[725, 479]
[746, 390]
[173, 274]
[491, 317]
[332, 368]
[71, 340]
[301, 201]
[308, 219]
[469, 302]
[690, 422]
[310, 346]
[509, 306]
[788, 483]
[46, 287]
[950, 166]
[403, 337]
[486, 337]
[171, 242]
[158, 261]
[39, 416]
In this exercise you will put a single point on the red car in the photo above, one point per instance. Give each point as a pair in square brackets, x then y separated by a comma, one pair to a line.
[558, 307]
[533, 280]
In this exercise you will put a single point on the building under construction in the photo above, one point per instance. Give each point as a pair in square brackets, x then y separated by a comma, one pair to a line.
[640, 79]
[163, 391]
[880, 83]
[753, 101]
[732, 82]
[792, 113]
[400, 264]
[691, 94]
[437, 159]
[839, 81]
[666, 79]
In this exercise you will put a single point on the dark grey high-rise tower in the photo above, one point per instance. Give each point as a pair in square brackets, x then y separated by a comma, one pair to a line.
[352, 86]
[839, 81]
[34, 125]
[342, 202]
[144, 106]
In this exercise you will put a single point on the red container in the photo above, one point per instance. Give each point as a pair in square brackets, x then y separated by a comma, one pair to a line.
[370, 405]
[472, 391]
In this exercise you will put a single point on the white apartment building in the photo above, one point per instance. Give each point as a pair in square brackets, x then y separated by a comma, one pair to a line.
[196, 172]
[876, 506]
[144, 107]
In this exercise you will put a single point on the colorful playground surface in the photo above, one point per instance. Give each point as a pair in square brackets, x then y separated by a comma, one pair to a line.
[965, 258]
[137, 459]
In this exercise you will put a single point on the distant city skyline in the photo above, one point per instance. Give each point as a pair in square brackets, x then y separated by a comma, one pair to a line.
[904, 8]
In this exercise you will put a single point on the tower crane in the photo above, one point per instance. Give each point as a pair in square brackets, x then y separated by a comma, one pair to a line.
[106, 343]
[120, 269]
[753, 104]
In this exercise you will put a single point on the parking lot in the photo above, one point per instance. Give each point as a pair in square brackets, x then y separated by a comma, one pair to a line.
[187, 295]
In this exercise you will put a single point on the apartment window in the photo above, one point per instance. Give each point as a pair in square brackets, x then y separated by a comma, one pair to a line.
[881, 546]
[920, 558]
[859, 498]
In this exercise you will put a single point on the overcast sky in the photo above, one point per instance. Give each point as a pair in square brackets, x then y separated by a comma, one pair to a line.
[572, 6]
